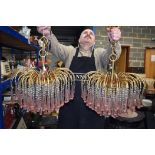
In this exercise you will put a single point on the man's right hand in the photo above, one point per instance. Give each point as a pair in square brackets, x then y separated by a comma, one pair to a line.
[44, 30]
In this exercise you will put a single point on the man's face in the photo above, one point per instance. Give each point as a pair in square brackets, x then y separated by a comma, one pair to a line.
[87, 37]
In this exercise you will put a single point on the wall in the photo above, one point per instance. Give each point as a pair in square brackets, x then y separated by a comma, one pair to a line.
[136, 37]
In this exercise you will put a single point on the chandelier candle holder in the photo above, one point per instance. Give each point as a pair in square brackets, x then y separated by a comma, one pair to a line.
[112, 94]
[43, 90]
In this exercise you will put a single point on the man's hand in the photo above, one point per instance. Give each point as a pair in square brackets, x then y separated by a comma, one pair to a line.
[114, 33]
[44, 30]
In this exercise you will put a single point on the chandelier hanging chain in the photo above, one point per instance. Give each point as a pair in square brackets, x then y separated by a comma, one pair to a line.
[113, 57]
[43, 42]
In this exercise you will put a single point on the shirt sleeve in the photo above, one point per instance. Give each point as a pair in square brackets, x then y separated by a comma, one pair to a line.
[59, 50]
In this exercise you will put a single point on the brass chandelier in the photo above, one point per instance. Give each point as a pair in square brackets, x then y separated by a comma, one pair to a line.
[112, 94]
[44, 91]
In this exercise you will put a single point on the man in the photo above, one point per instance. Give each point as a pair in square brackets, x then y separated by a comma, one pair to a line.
[80, 60]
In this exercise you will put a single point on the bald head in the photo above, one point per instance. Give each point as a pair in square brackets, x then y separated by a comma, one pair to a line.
[87, 38]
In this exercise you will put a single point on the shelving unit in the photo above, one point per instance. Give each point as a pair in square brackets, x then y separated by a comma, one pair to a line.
[12, 39]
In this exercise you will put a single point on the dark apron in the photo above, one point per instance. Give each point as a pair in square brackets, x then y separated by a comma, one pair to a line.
[75, 114]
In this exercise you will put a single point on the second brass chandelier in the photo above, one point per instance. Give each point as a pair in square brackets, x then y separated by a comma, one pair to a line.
[112, 94]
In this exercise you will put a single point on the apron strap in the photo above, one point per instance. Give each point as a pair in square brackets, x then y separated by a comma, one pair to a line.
[92, 55]
[77, 52]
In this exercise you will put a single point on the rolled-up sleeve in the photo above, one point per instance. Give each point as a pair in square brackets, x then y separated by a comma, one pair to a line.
[59, 50]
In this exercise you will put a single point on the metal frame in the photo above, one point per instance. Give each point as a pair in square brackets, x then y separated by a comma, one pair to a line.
[11, 32]
[14, 35]
[1, 106]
